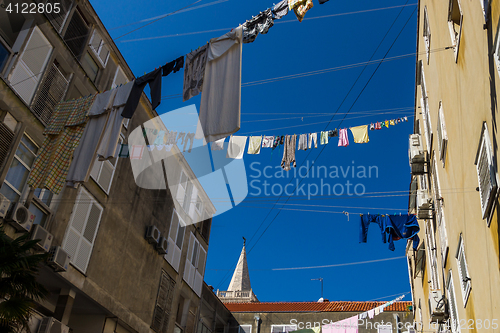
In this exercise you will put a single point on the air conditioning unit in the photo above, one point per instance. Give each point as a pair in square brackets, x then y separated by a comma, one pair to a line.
[162, 246]
[52, 325]
[20, 217]
[59, 259]
[4, 206]
[424, 205]
[417, 155]
[152, 234]
[437, 306]
[45, 237]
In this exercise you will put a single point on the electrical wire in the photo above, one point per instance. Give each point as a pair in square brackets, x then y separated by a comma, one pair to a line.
[276, 22]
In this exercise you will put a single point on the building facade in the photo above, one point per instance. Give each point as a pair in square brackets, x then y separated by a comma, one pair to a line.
[455, 273]
[116, 279]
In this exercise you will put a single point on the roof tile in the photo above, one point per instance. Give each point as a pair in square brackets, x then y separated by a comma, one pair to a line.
[339, 306]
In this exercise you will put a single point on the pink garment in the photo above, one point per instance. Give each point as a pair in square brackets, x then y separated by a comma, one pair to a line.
[343, 139]
[349, 325]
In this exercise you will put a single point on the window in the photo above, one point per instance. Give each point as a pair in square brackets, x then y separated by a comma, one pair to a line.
[103, 171]
[463, 271]
[15, 181]
[450, 291]
[442, 134]
[424, 103]
[58, 19]
[4, 55]
[31, 65]
[432, 255]
[101, 50]
[175, 241]
[202, 328]
[6, 137]
[76, 33]
[82, 229]
[163, 303]
[438, 206]
[486, 172]
[455, 24]
[120, 78]
[427, 33]
[52, 90]
[90, 66]
[187, 197]
[195, 265]
[40, 206]
[245, 329]
[419, 258]
[283, 328]
[386, 328]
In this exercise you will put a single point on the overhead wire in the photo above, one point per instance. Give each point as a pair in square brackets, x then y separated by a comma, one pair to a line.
[319, 154]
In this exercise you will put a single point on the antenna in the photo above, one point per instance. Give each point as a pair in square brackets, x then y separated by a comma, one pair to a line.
[319, 279]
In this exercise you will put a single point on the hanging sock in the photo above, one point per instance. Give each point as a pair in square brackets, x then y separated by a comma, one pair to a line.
[267, 141]
[300, 7]
[302, 142]
[392, 122]
[360, 134]
[236, 147]
[387, 123]
[259, 24]
[254, 145]
[406, 118]
[343, 139]
[280, 9]
[313, 136]
[372, 127]
[289, 152]
[194, 70]
[218, 145]
[378, 125]
[324, 137]
[333, 133]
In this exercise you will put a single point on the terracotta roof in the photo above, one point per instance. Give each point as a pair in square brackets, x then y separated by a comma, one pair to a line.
[339, 306]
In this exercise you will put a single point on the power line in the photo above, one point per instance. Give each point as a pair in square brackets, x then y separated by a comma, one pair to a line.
[337, 265]
[277, 22]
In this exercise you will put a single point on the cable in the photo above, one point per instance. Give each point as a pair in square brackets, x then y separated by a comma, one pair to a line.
[375, 299]
[325, 129]
[278, 22]
[338, 265]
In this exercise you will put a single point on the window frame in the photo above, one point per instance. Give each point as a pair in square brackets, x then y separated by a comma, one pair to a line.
[284, 325]
[97, 52]
[441, 222]
[442, 134]
[460, 254]
[242, 330]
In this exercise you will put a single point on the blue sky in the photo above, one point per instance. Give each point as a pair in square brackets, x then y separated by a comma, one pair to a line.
[310, 234]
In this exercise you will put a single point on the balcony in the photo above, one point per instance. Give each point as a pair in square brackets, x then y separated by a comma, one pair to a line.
[237, 296]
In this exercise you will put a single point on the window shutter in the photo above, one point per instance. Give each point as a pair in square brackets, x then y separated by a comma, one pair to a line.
[181, 189]
[52, 90]
[192, 206]
[6, 137]
[432, 257]
[463, 271]
[200, 271]
[442, 135]
[82, 229]
[173, 255]
[76, 34]
[189, 268]
[58, 20]
[205, 231]
[120, 78]
[29, 69]
[438, 204]
[163, 303]
[450, 290]
[486, 173]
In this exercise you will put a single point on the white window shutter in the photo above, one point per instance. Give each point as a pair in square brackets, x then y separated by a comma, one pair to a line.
[200, 271]
[82, 230]
[189, 268]
[95, 41]
[442, 134]
[192, 206]
[32, 62]
[181, 191]
[486, 173]
[172, 235]
[463, 271]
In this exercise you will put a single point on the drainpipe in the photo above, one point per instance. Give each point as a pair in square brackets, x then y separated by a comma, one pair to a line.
[257, 322]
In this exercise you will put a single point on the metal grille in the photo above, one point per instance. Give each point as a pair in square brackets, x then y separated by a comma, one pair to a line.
[76, 34]
[51, 92]
[58, 19]
[6, 137]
